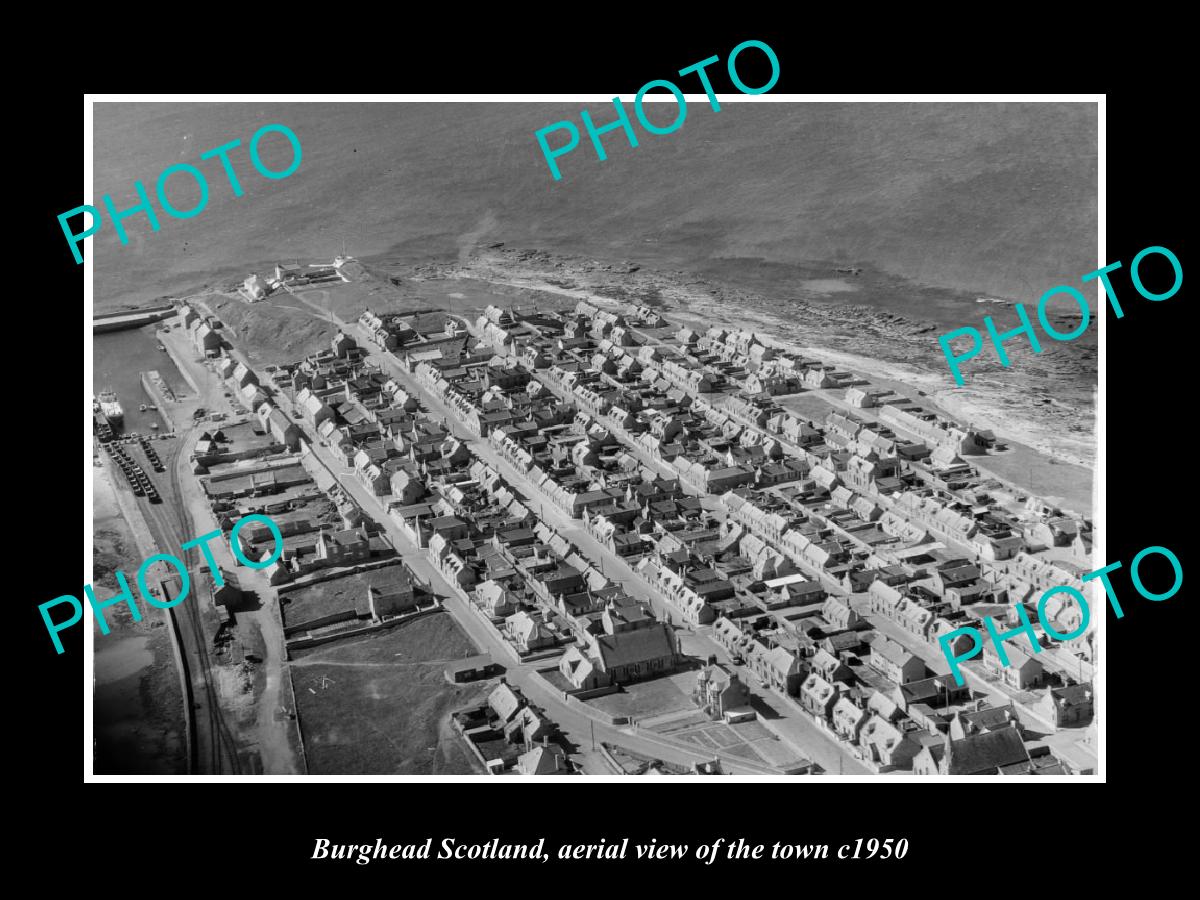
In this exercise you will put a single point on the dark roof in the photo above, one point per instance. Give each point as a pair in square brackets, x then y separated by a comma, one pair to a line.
[345, 538]
[640, 645]
[844, 640]
[804, 587]
[984, 753]
[514, 534]
[1070, 695]
[928, 688]
[991, 717]
[415, 509]
[703, 589]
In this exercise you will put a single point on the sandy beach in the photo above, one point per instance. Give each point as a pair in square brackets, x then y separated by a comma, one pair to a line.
[137, 701]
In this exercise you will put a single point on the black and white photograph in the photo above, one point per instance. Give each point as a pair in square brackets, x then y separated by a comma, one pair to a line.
[483, 438]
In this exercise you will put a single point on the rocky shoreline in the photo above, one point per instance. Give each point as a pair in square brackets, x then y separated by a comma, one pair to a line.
[1046, 400]
[1043, 400]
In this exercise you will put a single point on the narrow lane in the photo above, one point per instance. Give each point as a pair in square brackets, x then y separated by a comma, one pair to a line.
[570, 719]
[801, 732]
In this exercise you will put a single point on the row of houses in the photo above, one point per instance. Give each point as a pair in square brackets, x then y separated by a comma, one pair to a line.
[848, 494]
[903, 489]
[537, 588]
[204, 331]
[512, 735]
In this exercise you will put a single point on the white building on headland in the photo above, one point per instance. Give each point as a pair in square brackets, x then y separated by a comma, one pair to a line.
[255, 289]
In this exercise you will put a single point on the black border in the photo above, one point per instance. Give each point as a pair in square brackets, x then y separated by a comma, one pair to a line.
[1149, 427]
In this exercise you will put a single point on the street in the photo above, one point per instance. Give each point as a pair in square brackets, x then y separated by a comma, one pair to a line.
[800, 731]
[569, 718]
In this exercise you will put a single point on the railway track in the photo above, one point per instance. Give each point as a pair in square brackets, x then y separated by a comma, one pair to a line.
[223, 754]
[214, 748]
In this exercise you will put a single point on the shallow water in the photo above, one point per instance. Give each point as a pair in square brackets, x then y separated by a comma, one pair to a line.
[120, 657]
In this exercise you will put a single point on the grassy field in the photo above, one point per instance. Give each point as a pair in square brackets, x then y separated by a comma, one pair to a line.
[286, 327]
[282, 330]
[810, 404]
[1062, 483]
[380, 705]
[648, 698]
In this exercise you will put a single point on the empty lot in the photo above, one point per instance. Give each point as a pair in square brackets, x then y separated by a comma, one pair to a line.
[380, 705]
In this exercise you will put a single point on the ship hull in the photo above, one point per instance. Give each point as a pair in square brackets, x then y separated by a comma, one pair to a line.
[111, 407]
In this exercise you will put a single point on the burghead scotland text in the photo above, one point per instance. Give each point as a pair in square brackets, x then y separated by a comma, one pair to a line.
[416, 462]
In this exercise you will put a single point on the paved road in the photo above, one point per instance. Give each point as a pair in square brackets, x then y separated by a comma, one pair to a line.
[997, 694]
[821, 747]
[569, 718]
[184, 513]
[1053, 659]
[214, 749]
[1063, 741]
[800, 731]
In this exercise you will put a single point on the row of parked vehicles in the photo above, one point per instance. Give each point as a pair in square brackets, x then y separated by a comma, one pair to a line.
[152, 455]
[138, 480]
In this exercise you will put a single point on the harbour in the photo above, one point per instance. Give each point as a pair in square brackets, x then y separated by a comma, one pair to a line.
[120, 361]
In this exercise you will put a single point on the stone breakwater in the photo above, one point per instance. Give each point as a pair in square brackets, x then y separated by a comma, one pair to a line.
[157, 388]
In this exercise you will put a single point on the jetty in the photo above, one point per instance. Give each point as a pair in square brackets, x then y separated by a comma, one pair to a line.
[156, 387]
[135, 319]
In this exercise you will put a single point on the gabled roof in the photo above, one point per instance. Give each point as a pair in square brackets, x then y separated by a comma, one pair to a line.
[545, 760]
[1071, 695]
[891, 650]
[927, 689]
[885, 592]
[278, 418]
[990, 718]
[984, 753]
[504, 701]
[818, 687]
[825, 662]
[628, 647]
[846, 709]
[313, 403]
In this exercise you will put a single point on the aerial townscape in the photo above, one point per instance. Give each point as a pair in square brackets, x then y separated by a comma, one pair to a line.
[583, 538]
